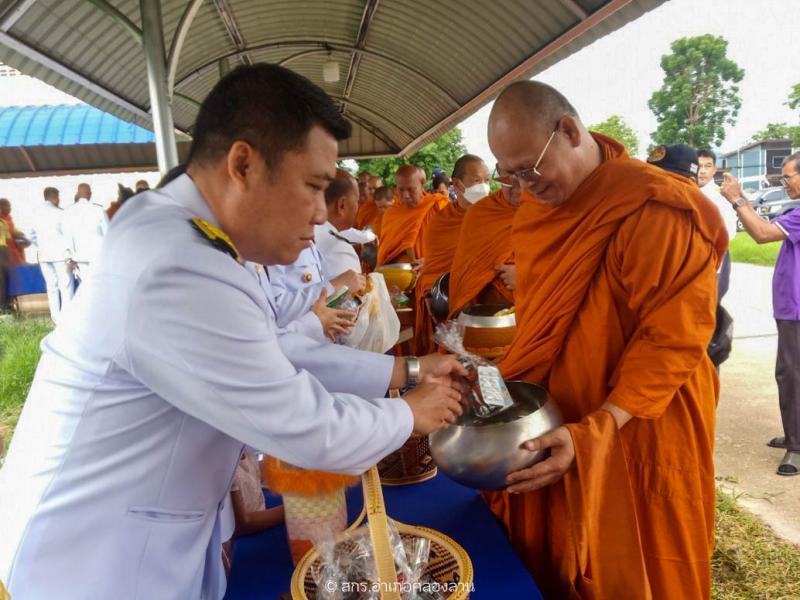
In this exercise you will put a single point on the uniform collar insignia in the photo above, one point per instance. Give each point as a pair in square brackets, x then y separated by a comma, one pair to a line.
[217, 237]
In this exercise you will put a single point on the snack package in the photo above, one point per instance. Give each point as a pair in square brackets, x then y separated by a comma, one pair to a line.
[488, 393]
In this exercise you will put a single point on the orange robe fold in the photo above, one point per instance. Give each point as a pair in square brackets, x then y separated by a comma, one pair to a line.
[366, 213]
[376, 222]
[16, 254]
[484, 243]
[439, 246]
[402, 228]
[616, 298]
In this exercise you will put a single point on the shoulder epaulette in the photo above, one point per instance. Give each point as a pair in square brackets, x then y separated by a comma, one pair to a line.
[217, 237]
[338, 237]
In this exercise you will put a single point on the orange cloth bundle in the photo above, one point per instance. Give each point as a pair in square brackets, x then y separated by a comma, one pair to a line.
[366, 213]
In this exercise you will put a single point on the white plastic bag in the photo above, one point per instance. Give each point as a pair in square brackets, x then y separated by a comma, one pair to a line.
[377, 327]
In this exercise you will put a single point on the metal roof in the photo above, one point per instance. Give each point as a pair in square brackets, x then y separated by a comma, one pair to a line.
[65, 124]
[405, 77]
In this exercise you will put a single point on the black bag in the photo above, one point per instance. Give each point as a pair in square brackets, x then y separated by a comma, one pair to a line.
[722, 341]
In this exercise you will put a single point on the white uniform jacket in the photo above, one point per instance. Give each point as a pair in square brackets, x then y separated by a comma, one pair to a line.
[297, 286]
[338, 255]
[84, 226]
[159, 372]
[47, 233]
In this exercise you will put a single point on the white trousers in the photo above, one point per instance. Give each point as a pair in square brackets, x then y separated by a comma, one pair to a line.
[60, 288]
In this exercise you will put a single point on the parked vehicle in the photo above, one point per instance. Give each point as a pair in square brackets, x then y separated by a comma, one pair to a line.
[770, 203]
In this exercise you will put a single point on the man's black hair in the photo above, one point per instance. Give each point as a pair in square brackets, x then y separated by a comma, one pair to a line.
[706, 153]
[269, 107]
[49, 192]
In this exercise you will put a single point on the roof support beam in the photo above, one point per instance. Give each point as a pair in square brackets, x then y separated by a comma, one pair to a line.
[15, 14]
[323, 47]
[374, 130]
[518, 72]
[153, 37]
[28, 159]
[61, 69]
[113, 12]
[189, 13]
[373, 116]
[370, 8]
[575, 8]
[226, 14]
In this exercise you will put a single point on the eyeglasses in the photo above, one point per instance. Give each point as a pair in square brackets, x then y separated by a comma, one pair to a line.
[785, 180]
[528, 176]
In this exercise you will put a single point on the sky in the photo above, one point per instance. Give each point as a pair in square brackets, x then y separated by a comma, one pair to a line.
[618, 73]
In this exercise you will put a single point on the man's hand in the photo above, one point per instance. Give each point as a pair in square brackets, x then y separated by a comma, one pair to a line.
[334, 320]
[416, 265]
[550, 470]
[508, 275]
[355, 282]
[730, 188]
[434, 406]
[71, 265]
[440, 367]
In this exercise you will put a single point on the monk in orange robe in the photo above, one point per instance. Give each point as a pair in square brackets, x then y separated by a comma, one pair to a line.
[368, 209]
[483, 269]
[403, 224]
[383, 200]
[616, 295]
[471, 182]
[17, 242]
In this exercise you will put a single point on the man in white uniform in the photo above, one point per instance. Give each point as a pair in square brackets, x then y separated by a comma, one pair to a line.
[85, 224]
[168, 363]
[341, 201]
[707, 162]
[51, 245]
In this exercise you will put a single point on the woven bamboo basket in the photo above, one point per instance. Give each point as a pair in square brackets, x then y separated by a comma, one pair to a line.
[411, 463]
[449, 564]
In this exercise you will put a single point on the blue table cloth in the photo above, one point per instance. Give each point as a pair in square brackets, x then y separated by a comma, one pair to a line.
[25, 279]
[262, 567]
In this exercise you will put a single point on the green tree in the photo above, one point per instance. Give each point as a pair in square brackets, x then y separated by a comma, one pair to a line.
[699, 95]
[615, 127]
[442, 152]
[794, 96]
[779, 131]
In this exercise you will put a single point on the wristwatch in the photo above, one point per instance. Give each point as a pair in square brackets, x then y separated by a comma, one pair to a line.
[412, 371]
[739, 203]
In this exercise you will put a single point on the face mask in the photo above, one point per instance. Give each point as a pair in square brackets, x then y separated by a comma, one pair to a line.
[475, 192]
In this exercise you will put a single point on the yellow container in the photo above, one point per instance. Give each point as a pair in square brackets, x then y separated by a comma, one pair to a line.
[399, 275]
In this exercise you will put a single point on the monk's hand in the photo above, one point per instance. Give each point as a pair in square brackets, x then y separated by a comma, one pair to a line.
[417, 264]
[335, 321]
[730, 188]
[434, 406]
[550, 470]
[508, 275]
[355, 282]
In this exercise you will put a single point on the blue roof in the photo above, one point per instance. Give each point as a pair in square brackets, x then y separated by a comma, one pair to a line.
[66, 124]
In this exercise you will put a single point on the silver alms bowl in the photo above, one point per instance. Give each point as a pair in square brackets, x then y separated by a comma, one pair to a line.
[479, 453]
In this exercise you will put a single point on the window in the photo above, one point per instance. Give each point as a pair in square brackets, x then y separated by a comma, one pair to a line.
[777, 162]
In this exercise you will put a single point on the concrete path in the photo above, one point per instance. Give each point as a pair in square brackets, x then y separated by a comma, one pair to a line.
[748, 414]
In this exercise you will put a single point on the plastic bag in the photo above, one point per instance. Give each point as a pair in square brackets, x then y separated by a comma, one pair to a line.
[488, 393]
[377, 327]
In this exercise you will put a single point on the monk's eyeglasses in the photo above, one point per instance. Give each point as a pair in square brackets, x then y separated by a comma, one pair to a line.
[526, 176]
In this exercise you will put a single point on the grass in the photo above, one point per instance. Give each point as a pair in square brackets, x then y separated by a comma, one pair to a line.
[745, 250]
[750, 562]
[19, 354]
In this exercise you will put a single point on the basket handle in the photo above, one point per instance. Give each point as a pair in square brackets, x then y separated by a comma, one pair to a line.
[378, 524]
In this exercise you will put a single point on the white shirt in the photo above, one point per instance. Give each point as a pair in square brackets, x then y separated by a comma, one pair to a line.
[711, 190]
[159, 372]
[338, 255]
[297, 286]
[84, 226]
[47, 233]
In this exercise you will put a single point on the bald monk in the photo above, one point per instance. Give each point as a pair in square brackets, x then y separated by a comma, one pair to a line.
[404, 222]
[367, 210]
[383, 200]
[616, 291]
[471, 182]
[483, 270]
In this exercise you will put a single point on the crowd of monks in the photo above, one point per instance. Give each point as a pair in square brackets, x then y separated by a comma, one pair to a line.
[610, 264]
